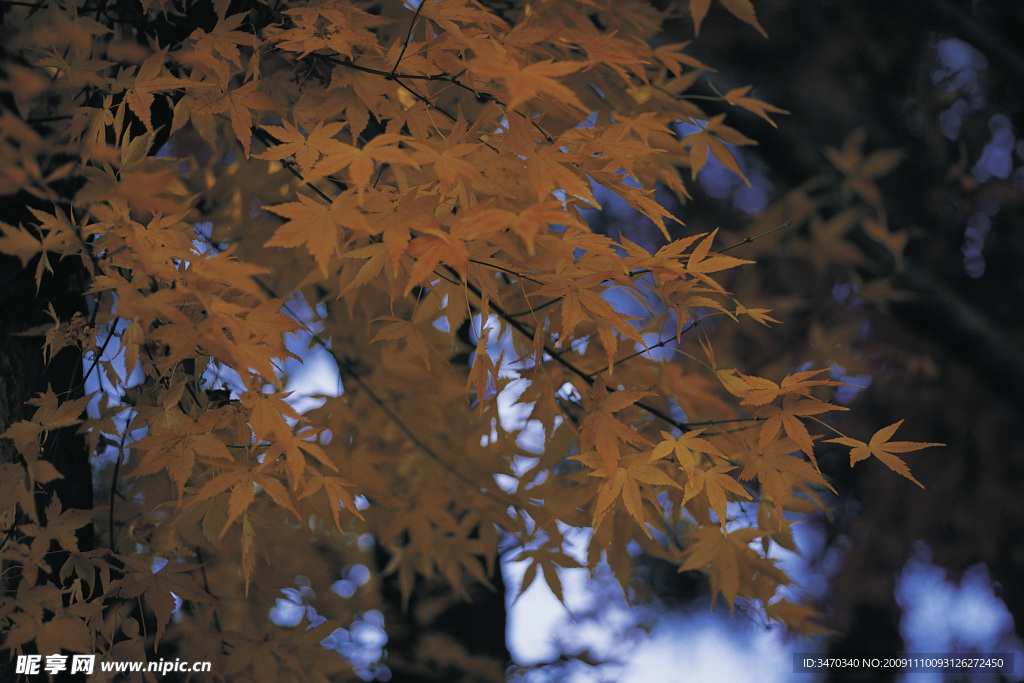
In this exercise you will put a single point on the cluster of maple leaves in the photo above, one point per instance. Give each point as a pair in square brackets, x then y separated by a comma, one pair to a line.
[365, 184]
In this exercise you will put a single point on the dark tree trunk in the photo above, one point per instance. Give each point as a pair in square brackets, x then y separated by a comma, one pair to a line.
[441, 638]
[23, 374]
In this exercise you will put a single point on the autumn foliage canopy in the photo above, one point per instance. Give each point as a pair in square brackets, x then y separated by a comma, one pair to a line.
[404, 193]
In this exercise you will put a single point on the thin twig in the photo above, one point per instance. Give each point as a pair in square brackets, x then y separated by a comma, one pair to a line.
[408, 35]
[748, 240]
[557, 357]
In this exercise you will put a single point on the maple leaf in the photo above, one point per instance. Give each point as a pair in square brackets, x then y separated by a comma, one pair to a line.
[549, 558]
[714, 482]
[699, 263]
[432, 250]
[484, 373]
[361, 162]
[52, 414]
[407, 330]
[793, 407]
[797, 618]
[224, 40]
[175, 450]
[61, 527]
[16, 488]
[448, 163]
[65, 631]
[883, 449]
[694, 393]
[78, 72]
[759, 391]
[267, 413]
[741, 9]
[624, 57]
[779, 472]
[336, 490]
[326, 28]
[248, 563]
[737, 97]
[712, 137]
[581, 305]
[860, 172]
[725, 552]
[307, 149]
[628, 480]
[243, 483]
[526, 82]
[57, 234]
[156, 588]
[827, 245]
[28, 435]
[639, 198]
[294, 447]
[148, 81]
[895, 241]
[310, 224]
[687, 449]
[376, 257]
[239, 103]
[19, 242]
[600, 431]
[758, 314]
[551, 172]
[395, 222]
[674, 59]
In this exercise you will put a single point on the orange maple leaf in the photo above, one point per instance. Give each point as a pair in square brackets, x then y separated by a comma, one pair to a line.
[758, 391]
[793, 407]
[148, 81]
[738, 98]
[741, 9]
[883, 449]
[714, 482]
[778, 473]
[797, 618]
[637, 469]
[687, 448]
[725, 552]
[311, 224]
[239, 103]
[700, 264]
[712, 137]
[600, 431]
[526, 82]
[306, 149]
[550, 558]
